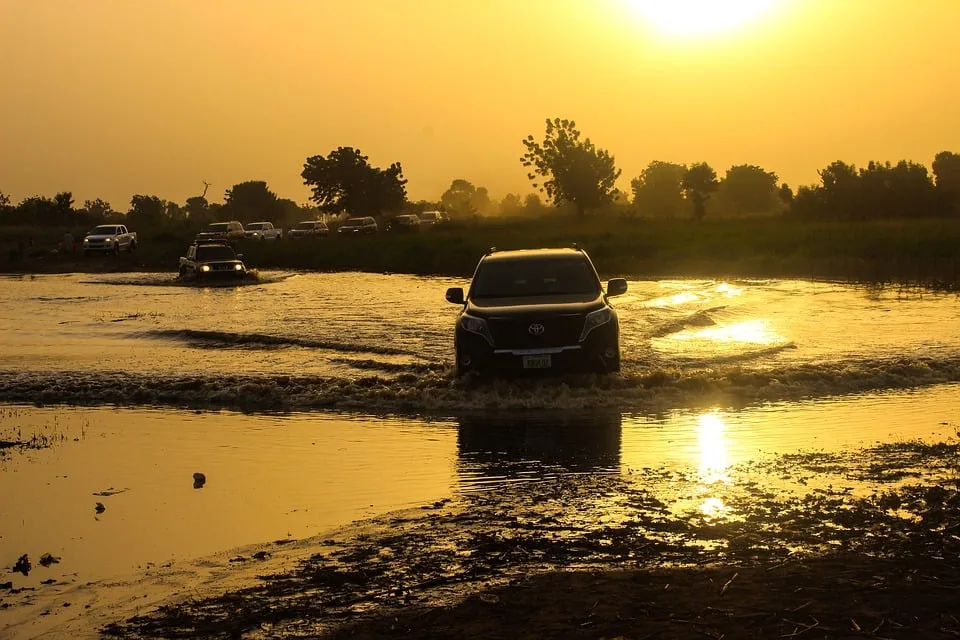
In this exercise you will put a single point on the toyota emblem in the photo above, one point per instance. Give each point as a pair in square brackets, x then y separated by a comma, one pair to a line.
[536, 329]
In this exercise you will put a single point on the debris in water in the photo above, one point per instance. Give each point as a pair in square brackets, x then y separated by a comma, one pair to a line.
[110, 492]
[23, 565]
[48, 559]
[99, 508]
[199, 480]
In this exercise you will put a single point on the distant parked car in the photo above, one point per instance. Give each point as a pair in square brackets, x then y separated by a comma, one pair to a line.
[428, 218]
[209, 260]
[263, 231]
[109, 238]
[359, 226]
[405, 223]
[232, 230]
[309, 229]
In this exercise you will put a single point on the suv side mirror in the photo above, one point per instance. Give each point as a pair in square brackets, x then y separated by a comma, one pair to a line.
[239, 256]
[455, 295]
[616, 287]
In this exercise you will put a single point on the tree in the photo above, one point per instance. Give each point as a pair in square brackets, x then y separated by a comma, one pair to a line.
[146, 210]
[251, 201]
[37, 210]
[699, 182]
[785, 193]
[576, 171]
[97, 210]
[197, 209]
[4, 200]
[511, 204]
[894, 191]
[463, 199]
[658, 189]
[63, 207]
[344, 181]
[841, 190]
[748, 189]
[946, 171]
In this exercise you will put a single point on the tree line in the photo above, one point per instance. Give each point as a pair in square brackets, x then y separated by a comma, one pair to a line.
[571, 171]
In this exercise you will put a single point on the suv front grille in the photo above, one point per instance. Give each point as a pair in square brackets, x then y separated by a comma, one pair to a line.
[515, 333]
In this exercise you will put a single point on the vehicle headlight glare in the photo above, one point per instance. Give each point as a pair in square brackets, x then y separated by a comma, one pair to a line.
[108, 239]
[205, 267]
[596, 319]
[477, 326]
[238, 267]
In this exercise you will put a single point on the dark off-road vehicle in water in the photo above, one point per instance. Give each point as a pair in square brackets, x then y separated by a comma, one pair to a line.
[537, 310]
[212, 260]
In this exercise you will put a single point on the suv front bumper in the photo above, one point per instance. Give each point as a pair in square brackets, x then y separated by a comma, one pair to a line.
[598, 352]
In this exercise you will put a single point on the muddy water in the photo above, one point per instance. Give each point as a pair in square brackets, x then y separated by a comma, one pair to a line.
[715, 375]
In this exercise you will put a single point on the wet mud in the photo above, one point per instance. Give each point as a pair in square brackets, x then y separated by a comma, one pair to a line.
[602, 556]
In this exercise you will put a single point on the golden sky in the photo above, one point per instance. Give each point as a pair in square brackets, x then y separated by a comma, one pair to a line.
[108, 98]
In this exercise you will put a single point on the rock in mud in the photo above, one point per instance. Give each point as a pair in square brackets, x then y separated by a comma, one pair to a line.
[199, 480]
[48, 559]
[23, 565]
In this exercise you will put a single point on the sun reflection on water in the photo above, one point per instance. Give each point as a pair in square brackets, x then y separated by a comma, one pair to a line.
[756, 331]
[714, 462]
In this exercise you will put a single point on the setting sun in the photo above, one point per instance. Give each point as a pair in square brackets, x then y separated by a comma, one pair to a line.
[700, 17]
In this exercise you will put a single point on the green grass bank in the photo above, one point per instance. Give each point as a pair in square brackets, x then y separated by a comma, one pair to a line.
[923, 251]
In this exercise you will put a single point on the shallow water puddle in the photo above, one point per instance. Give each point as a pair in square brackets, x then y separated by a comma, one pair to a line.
[269, 477]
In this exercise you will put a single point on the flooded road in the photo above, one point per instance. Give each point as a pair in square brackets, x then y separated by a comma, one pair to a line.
[311, 401]
[382, 344]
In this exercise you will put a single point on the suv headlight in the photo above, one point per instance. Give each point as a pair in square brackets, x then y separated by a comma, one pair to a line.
[238, 267]
[204, 267]
[477, 326]
[596, 319]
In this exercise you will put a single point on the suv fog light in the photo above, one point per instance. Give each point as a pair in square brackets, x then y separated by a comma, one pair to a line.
[610, 353]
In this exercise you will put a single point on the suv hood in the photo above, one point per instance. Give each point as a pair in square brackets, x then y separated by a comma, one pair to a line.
[536, 305]
[101, 236]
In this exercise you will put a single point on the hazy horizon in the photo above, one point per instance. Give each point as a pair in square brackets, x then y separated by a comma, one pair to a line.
[109, 98]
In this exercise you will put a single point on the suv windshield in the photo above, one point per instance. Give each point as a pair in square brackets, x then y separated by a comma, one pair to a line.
[305, 225]
[255, 226]
[215, 252]
[354, 222]
[104, 230]
[217, 227]
[534, 277]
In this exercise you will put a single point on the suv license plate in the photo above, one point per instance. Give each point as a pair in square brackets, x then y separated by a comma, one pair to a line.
[536, 362]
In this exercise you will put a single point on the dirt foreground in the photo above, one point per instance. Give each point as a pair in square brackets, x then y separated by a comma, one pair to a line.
[864, 544]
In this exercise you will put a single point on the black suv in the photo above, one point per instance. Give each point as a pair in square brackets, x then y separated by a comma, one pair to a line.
[211, 259]
[540, 309]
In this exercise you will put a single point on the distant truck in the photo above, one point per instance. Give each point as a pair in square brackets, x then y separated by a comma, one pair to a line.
[263, 231]
[109, 238]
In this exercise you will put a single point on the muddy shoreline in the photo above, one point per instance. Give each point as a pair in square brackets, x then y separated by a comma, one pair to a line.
[534, 562]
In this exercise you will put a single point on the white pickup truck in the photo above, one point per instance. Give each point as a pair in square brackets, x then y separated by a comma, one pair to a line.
[262, 231]
[109, 238]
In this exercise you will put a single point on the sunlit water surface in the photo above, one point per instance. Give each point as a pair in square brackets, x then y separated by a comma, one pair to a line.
[299, 474]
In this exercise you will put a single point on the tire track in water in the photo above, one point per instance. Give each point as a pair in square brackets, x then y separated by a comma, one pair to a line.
[226, 339]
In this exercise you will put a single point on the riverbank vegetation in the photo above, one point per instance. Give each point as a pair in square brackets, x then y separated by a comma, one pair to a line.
[881, 223]
[920, 251]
